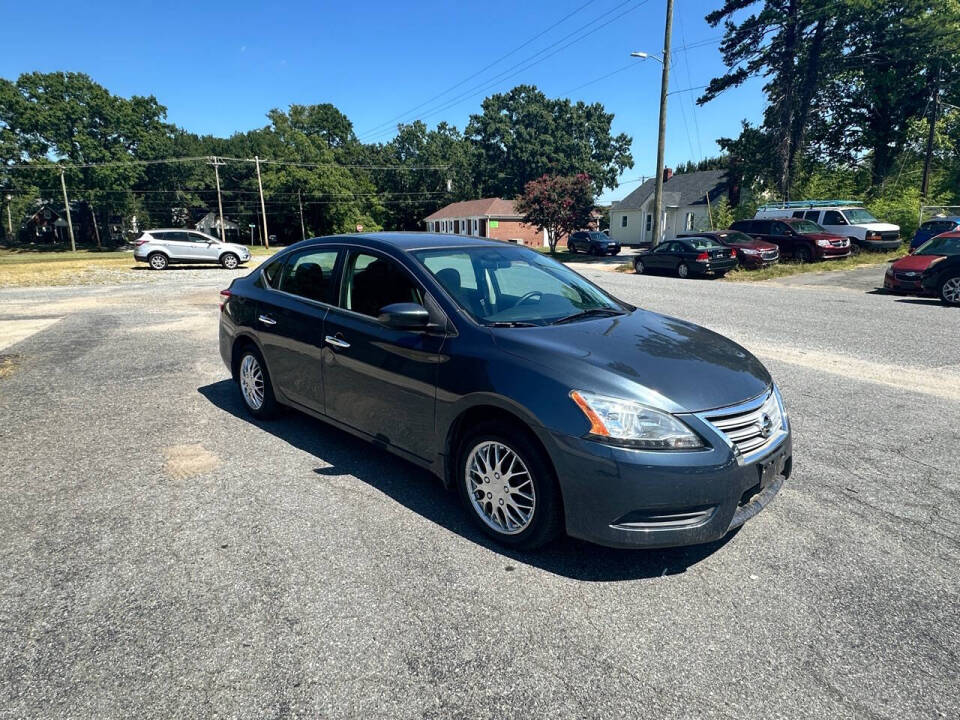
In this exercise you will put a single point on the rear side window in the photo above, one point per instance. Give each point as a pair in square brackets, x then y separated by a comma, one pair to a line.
[812, 215]
[310, 275]
[271, 273]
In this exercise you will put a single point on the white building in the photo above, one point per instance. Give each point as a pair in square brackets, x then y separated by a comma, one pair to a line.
[684, 206]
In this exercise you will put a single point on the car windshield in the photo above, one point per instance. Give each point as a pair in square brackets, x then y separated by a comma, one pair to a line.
[859, 215]
[806, 227]
[702, 243]
[735, 236]
[515, 286]
[940, 246]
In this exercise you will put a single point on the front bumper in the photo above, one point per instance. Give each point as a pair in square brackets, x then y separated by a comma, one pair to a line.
[909, 285]
[880, 244]
[634, 499]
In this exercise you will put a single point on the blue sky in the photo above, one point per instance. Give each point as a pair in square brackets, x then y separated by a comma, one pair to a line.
[218, 67]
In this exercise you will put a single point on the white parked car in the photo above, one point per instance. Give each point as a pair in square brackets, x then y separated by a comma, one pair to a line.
[846, 219]
[159, 248]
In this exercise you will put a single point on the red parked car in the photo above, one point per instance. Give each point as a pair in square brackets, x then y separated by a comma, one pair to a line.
[904, 274]
[802, 240]
[753, 254]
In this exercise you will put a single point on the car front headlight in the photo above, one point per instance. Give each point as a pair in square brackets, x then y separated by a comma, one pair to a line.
[748, 251]
[628, 423]
[823, 243]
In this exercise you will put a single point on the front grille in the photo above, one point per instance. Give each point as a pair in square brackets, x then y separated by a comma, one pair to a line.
[749, 427]
[769, 255]
[908, 276]
[890, 235]
[838, 243]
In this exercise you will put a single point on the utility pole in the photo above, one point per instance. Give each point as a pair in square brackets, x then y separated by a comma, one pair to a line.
[216, 162]
[930, 135]
[661, 137]
[303, 229]
[66, 205]
[263, 207]
[96, 230]
[9, 219]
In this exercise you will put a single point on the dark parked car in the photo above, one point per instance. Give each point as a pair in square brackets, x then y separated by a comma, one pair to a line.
[687, 257]
[942, 276]
[595, 243]
[802, 240]
[548, 404]
[932, 228]
[753, 254]
[904, 275]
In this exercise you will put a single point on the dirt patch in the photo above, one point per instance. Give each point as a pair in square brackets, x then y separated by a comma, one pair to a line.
[8, 365]
[185, 461]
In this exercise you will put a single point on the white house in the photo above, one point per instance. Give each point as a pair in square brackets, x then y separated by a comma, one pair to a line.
[684, 206]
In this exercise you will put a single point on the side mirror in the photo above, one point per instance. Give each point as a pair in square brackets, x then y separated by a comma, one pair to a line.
[404, 316]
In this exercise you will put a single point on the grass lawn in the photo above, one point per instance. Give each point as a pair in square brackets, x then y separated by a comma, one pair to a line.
[789, 267]
[21, 267]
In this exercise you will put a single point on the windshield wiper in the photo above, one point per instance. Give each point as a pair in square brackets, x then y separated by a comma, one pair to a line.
[511, 324]
[593, 312]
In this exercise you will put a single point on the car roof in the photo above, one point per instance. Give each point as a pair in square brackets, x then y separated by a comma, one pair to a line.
[950, 218]
[409, 241]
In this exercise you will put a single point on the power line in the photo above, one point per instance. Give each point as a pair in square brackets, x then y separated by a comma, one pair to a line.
[205, 159]
[390, 122]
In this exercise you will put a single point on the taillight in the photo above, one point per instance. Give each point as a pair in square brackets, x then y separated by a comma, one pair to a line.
[138, 243]
[702, 257]
[225, 294]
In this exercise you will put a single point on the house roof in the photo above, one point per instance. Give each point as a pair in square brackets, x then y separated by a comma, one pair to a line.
[685, 189]
[484, 207]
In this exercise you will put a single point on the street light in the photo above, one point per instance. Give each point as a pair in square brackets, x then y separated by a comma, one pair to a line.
[661, 136]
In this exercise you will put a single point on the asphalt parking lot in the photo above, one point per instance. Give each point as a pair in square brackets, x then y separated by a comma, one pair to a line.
[161, 555]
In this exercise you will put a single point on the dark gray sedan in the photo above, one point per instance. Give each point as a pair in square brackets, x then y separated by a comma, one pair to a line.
[549, 405]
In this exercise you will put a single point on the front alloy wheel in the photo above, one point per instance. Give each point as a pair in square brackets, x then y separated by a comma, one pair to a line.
[230, 261]
[500, 487]
[950, 290]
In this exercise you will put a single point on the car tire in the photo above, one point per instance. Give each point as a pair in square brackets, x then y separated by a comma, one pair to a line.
[594, 251]
[253, 380]
[157, 261]
[571, 248]
[478, 450]
[949, 291]
[230, 261]
[803, 254]
[854, 246]
[638, 266]
[683, 271]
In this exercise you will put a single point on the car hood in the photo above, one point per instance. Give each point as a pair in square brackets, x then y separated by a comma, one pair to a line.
[660, 361]
[880, 227]
[917, 263]
[759, 245]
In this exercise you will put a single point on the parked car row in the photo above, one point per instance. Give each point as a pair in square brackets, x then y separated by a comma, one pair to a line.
[933, 269]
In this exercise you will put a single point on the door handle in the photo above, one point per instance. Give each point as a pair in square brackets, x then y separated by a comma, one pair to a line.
[267, 320]
[336, 342]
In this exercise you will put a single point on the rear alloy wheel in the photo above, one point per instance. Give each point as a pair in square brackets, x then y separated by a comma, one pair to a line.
[950, 290]
[508, 487]
[638, 266]
[229, 261]
[158, 261]
[255, 386]
[683, 271]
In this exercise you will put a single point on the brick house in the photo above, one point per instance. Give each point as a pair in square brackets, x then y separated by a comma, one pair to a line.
[493, 218]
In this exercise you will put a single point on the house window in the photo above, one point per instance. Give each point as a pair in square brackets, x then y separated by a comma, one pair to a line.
[623, 221]
[649, 222]
[688, 222]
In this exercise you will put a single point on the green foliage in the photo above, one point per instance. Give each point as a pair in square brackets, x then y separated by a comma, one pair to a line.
[557, 204]
[722, 213]
[523, 134]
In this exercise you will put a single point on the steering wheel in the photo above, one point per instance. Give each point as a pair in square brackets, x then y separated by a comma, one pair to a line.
[529, 295]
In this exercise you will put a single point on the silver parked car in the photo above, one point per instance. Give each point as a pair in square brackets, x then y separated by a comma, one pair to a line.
[159, 248]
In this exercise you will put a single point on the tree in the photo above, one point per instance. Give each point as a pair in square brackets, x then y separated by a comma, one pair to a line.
[523, 134]
[557, 204]
[722, 213]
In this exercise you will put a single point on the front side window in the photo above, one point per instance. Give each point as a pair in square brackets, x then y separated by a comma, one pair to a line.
[372, 282]
[310, 275]
[859, 215]
[833, 217]
[514, 286]
[805, 227]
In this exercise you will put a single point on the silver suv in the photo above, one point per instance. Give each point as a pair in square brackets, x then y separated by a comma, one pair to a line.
[159, 248]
